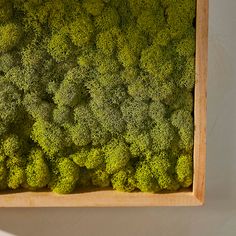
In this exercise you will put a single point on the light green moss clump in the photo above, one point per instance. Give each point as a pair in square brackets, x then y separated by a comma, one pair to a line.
[184, 170]
[97, 93]
[81, 31]
[9, 36]
[65, 175]
[37, 171]
[59, 47]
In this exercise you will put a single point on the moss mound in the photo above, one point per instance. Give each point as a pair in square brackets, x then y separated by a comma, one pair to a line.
[96, 93]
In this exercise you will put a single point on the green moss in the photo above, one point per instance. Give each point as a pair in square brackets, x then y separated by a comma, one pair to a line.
[16, 172]
[71, 90]
[184, 170]
[16, 177]
[150, 22]
[110, 117]
[100, 178]
[162, 135]
[49, 136]
[93, 7]
[127, 57]
[37, 171]
[10, 101]
[97, 93]
[124, 180]
[180, 15]
[6, 62]
[6, 11]
[183, 121]
[146, 181]
[117, 155]
[106, 42]
[94, 159]
[9, 36]
[11, 145]
[37, 108]
[3, 175]
[59, 47]
[80, 157]
[80, 134]
[162, 166]
[81, 31]
[108, 19]
[187, 80]
[157, 110]
[62, 115]
[65, 176]
[33, 57]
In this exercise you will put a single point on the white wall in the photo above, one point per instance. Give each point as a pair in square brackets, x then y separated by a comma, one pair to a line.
[218, 216]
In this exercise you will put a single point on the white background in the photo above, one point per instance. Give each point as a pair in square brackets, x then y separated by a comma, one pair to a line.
[217, 217]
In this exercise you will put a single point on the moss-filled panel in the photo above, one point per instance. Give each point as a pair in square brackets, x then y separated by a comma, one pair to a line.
[96, 93]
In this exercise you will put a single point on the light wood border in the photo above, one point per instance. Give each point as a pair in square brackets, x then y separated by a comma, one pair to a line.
[200, 100]
[110, 198]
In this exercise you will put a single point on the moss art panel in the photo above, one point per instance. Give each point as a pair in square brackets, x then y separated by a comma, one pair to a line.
[96, 93]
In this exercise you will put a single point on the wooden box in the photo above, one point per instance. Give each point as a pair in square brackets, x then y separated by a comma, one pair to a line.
[110, 198]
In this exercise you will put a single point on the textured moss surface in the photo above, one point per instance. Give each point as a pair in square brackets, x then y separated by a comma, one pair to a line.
[96, 93]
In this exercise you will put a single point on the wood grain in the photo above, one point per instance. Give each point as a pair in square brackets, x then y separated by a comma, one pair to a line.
[200, 100]
[101, 198]
[110, 198]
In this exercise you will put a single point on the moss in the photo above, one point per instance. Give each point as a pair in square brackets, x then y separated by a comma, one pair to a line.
[6, 62]
[106, 42]
[162, 135]
[11, 145]
[80, 134]
[157, 110]
[81, 31]
[16, 172]
[127, 57]
[16, 177]
[97, 93]
[10, 101]
[71, 90]
[162, 166]
[146, 181]
[37, 108]
[37, 171]
[62, 115]
[65, 176]
[100, 178]
[151, 22]
[124, 180]
[94, 159]
[6, 11]
[187, 80]
[9, 36]
[184, 170]
[3, 175]
[108, 19]
[80, 157]
[33, 56]
[117, 155]
[183, 121]
[49, 136]
[59, 47]
[93, 7]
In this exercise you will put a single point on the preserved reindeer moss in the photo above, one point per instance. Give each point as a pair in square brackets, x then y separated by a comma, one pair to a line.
[96, 93]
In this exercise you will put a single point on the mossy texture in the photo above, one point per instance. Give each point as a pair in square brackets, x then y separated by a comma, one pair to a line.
[96, 93]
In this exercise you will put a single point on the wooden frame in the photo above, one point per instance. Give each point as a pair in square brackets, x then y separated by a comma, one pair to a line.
[110, 198]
